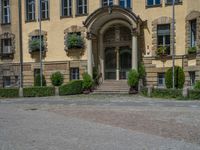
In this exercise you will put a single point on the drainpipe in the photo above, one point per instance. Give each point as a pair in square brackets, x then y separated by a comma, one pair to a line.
[20, 47]
[173, 43]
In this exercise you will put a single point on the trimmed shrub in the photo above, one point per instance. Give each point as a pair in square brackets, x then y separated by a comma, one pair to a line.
[57, 79]
[133, 78]
[9, 92]
[194, 94]
[141, 71]
[197, 85]
[38, 91]
[178, 75]
[37, 80]
[167, 93]
[87, 81]
[192, 50]
[72, 88]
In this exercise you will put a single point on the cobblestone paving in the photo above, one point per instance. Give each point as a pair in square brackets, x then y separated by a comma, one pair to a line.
[99, 122]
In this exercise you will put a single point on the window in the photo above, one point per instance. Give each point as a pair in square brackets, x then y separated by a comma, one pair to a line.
[161, 79]
[192, 78]
[6, 46]
[44, 9]
[6, 81]
[66, 7]
[74, 73]
[163, 36]
[170, 1]
[153, 2]
[30, 10]
[125, 3]
[5, 11]
[81, 7]
[107, 2]
[193, 33]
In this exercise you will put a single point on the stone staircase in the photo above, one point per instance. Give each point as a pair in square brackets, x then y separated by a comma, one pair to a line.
[113, 86]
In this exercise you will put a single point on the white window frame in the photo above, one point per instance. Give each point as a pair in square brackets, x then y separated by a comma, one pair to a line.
[7, 15]
[84, 3]
[163, 79]
[6, 49]
[32, 11]
[68, 7]
[46, 11]
[107, 2]
[193, 39]
[74, 75]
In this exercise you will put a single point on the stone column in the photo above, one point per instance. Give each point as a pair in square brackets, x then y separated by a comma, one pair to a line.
[89, 53]
[117, 59]
[101, 49]
[134, 52]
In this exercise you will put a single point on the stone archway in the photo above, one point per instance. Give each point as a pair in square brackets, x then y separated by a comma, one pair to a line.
[98, 23]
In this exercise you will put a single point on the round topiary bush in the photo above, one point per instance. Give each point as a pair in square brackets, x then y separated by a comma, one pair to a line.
[87, 81]
[37, 80]
[142, 71]
[179, 78]
[133, 78]
[197, 85]
[57, 79]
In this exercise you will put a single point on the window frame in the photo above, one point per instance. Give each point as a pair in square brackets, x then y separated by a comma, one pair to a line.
[5, 81]
[164, 38]
[193, 36]
[126, 2]
[68, 7]
[192, 80]
[33, 12]
[74, 75]
[154, 4]
[46, 10]
[176, 2]
[106, 3]
[161, 79]
[84, 10]
[8, 15]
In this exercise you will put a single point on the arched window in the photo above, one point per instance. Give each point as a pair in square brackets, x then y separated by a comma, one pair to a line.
[125, 3]
[107, 2]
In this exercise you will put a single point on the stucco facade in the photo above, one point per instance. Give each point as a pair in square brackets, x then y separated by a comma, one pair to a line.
[106, 31]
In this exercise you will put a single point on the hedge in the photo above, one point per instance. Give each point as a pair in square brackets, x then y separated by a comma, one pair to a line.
[194, 94]
[38, 91]
[144, 91]
[9, 92]
[166, 93]
[72, 88]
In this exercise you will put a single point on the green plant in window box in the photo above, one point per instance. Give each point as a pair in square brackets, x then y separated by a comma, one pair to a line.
[34, 45]
[192, 50]
[161, 51]
[75, 41]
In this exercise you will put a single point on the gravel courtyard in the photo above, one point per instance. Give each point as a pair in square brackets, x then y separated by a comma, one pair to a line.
[99, 122]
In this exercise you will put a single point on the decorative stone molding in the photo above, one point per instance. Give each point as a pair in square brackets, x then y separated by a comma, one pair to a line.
[191, 16]
[11, 36]
[37, 33]
[73, 29]
[155, 23]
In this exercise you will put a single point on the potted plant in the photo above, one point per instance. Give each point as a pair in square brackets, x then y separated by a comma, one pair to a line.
[87, 83]
[133, 79]
[75, 41]
[34, 45]
[192, 50]
[161, 51]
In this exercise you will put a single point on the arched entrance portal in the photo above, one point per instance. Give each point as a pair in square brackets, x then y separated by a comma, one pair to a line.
[117, 52]
[112, 41]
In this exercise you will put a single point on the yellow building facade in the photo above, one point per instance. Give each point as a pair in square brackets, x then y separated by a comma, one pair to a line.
[106, 36]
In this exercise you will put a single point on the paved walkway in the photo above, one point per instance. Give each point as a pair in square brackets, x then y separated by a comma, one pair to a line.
[98, 122]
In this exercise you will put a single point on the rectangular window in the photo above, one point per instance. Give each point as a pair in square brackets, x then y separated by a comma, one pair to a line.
[44, 9]
[163, 36]
[6, 81]
[6, 46]
[30, 10]
[107, 2]
[81, 7]
[193, 33]
[125, 3]
[74, 73]
[153, 2]
[66, 7]
[161, 79]
[5, 11]
[192, 78]
[171, 1]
